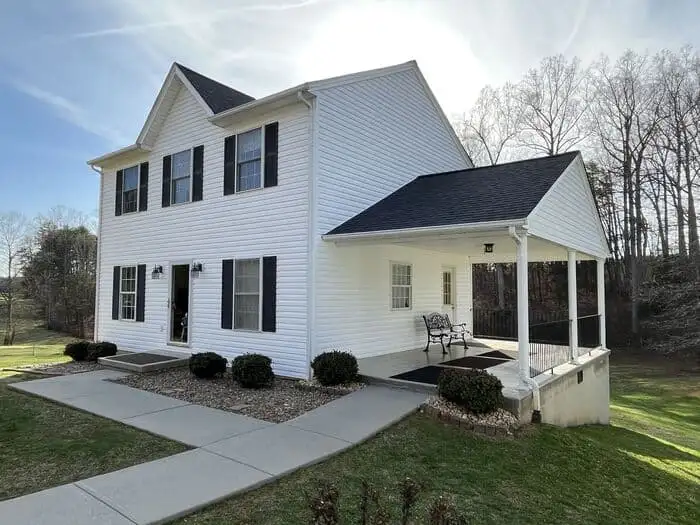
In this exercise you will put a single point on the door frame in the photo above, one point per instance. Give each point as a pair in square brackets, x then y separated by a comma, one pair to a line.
[453, 291]
[168, 339]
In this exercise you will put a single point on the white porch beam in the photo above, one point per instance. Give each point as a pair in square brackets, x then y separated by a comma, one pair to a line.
[520, 239]
[600, 281]
[573, 305]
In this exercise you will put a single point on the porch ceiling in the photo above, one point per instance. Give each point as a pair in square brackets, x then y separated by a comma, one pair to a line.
[470, 244]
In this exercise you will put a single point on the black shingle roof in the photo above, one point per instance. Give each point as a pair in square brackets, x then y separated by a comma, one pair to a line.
[218, 96]
[491, 193]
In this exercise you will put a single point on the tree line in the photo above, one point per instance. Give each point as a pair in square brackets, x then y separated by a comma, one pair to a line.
[636, 119]
[47, 271]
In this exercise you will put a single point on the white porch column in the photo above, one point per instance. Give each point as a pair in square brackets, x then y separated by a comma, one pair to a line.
[600, 281]
[573, 305]
[523, 306]
[469, 301]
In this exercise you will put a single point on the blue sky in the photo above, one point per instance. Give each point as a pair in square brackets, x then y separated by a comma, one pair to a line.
[77, 77]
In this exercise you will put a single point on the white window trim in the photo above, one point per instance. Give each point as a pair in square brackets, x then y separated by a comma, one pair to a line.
[135, 292]
[191, 175]
[392, 285]
[260, 295]
[138, 188]
[261, 127]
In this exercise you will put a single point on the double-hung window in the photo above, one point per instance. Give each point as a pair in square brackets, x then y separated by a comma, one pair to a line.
[130, 190]
[401, 286]
[249, 161]
[181, 177]
[246, 294]
[127, 293]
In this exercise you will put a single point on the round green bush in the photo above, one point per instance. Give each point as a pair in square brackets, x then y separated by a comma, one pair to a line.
[207, 365]
[474, 390]
[101, 349]
[252, 370]
[335, 368]
[77, 350]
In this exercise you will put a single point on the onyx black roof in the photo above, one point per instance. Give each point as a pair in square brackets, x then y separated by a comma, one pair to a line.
[218, 96]
[491, 193]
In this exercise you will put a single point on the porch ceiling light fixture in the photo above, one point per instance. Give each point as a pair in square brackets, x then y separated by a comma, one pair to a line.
[196, 269]
[157, 271]
[488, 247]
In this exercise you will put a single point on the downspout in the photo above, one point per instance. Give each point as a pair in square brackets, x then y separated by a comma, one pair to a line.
[302, 98]
[537, 415]
[99, 255]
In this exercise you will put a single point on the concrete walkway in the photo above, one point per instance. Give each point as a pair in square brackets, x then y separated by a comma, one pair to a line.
[232, 453]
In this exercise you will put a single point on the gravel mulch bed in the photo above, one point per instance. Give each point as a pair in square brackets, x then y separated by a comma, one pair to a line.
[497, 423]
[279, 403]
[71, 367]
[348, 388]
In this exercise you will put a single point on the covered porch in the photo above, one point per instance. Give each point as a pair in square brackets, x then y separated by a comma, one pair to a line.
[539, 210]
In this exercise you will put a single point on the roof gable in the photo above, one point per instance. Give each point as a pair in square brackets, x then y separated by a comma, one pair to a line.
[494, 193]
[217, 96]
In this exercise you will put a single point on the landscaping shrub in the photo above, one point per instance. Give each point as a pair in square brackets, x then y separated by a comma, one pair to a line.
[252, 370]
[334, 368]
[101, 349]
[77, 350]
[207, 365]
[475, 390]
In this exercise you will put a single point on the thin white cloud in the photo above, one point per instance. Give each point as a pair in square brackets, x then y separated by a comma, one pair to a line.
[70, 112]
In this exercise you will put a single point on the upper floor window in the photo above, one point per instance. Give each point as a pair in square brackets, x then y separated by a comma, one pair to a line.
[249, 161]
[130, 190]
[181, 177]
[401, 286]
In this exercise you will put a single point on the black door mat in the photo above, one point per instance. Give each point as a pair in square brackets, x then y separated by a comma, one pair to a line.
[474, 362]
[497, 354]
[427, 374]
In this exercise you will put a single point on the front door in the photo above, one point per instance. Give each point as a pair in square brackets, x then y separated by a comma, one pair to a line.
[180, 303]
[448, 292]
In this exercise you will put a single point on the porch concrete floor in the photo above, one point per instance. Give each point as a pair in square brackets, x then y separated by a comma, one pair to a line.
[384, 366]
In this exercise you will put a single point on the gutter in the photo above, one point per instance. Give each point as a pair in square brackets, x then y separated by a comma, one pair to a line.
[429, 230]
[253, 104]
[537, 414]
[98, 265]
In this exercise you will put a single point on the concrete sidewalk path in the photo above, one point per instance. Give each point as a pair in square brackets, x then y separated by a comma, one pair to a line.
[233, 453]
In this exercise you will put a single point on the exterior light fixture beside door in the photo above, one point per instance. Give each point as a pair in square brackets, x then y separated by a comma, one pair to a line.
[488, 247]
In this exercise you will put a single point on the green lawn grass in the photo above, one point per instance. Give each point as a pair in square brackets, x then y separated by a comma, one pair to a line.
[644, 468]
[43, 445]
[33, 346]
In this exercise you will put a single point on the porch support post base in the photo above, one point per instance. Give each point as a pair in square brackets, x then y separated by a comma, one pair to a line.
[573, 306]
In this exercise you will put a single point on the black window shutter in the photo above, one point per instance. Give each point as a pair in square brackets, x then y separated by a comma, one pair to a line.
[230, 165]
[118, 193]
[140, 292]
[269, 299]
[166, 180]
[143, 187]
[197, 173]
[271, 141]
[227, 294]
[115, 292]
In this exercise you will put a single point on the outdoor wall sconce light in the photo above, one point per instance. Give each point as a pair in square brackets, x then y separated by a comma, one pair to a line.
[157, 271]
[488, 247]
[196, 269]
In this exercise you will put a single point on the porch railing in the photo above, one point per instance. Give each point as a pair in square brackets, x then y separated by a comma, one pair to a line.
[550, 334]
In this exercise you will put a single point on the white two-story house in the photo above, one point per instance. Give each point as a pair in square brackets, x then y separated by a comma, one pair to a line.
[329, 215]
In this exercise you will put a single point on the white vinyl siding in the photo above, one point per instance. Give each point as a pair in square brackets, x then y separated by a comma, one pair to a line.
[127, 293]
[246, 294]
[374, 136]
[567, 215]
[401, 286]
[130, 189]
[239, 226]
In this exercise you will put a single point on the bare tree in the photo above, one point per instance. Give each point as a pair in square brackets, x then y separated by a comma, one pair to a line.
[13, 235]
[554, 100]
[491, 127]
